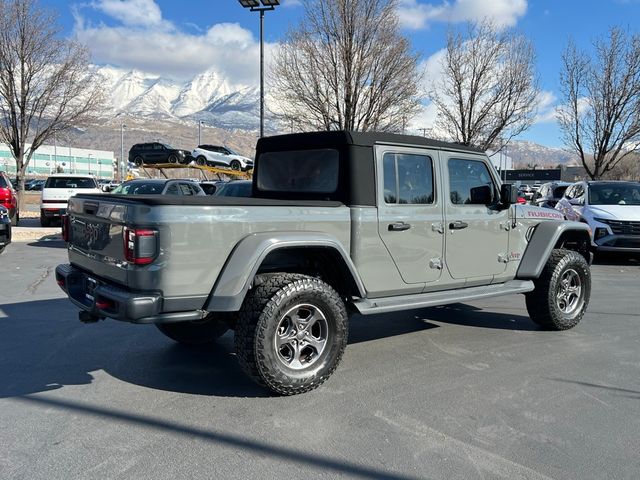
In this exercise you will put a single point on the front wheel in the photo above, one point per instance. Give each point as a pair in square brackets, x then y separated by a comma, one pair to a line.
[562, 292]
[291, 333]
[173, 159]
[194, 333]
[235, 165]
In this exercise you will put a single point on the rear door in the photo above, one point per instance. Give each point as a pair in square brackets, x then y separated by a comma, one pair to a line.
[477, 238]
[410, 211]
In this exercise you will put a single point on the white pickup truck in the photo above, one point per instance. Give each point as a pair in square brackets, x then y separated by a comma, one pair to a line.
[56, 193]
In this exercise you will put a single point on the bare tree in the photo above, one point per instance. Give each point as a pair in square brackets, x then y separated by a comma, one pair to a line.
[45, 82]
[600, 112]
[489, 86]
[346, 66]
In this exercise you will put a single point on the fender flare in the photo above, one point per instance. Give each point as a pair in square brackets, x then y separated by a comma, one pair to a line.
[544, 239]
[241, 267]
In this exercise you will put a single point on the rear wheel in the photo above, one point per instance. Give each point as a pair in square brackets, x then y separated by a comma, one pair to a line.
[201, 160]
[291, 333]
[235, 165]
[138, 161]
[562, 292]
[45, 221]
[194, 333]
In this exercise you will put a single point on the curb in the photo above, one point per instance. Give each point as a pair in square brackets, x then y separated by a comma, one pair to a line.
[21, 234]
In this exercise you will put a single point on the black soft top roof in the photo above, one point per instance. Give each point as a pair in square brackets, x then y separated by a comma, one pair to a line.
[344, 137]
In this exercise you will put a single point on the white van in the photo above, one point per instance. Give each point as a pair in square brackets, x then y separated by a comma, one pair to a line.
[56, 193]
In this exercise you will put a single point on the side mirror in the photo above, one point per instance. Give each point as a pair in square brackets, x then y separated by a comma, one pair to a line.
[480, 195]
[508, 194]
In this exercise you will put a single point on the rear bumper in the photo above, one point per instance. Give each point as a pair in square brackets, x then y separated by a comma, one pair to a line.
[102, 299]
[53, 211]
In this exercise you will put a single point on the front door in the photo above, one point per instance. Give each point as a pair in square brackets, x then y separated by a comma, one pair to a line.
[410, 211]
[477, 237]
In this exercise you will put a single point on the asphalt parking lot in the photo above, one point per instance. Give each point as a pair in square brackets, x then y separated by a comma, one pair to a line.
[468, 391]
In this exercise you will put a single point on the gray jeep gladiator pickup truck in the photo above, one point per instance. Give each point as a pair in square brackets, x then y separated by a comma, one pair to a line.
[338, 223]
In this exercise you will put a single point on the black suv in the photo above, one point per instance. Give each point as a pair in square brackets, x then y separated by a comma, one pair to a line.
[155, 152]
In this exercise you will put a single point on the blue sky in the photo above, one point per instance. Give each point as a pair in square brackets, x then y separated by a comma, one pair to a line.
[181, 38]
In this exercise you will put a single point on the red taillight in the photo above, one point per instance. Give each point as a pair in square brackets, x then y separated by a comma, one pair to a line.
[140, 245]
[65, 227]
[7, 198]
[521, 201]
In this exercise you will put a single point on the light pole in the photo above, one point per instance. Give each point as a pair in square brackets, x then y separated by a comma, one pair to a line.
[90, 155]
[200, 124]
[254, 5]
[123, 164]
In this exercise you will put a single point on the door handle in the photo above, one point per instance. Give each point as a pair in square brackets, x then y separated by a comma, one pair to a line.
[399, 226]
[458, 225]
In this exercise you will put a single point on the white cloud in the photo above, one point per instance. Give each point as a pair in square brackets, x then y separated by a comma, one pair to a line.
[414, 14]
[131, 12]
[159, 47]
[547, 108]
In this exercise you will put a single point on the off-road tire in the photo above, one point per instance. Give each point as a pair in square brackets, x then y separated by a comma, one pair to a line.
[194, 333]
[543, 303]
[201, 160]
[235, 165]
[139, 161]
[263, 310]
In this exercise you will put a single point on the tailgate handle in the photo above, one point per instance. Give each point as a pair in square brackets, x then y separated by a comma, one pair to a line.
[458, 225]
[399, 226]
[90, 208]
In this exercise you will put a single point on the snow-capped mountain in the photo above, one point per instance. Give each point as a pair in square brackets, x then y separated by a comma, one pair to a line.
[208, 96]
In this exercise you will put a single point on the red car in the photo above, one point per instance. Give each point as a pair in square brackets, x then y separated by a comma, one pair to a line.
[8, 198]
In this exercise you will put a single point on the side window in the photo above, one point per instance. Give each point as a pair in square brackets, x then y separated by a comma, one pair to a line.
[185, 189]
[173, 189]
[568, 194]
[579, 191]
[465, 175]
[194, 190]
[408, 178]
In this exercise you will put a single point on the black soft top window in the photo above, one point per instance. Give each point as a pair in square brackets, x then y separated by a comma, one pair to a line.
[304, 171]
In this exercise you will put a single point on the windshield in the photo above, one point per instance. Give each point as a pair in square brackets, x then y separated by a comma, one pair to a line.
[70, 182]
[139, 188]
[167, 146]
[615, 194]
[232, 152]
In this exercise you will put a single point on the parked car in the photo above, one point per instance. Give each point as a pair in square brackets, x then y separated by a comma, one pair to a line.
[158, 187]
[56, 193]
[8, 198]
[549, 194]
[610, 208]
[5, 228]
[35, 185]
[234, 188]
[156, 152]
[215, 155]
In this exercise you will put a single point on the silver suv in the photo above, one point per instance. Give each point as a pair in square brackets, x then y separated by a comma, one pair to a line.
[612, 211]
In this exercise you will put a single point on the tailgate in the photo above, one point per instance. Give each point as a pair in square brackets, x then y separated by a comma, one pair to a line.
[96, 237]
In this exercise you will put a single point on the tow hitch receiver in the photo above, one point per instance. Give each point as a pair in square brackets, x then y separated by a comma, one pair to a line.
[88, 317]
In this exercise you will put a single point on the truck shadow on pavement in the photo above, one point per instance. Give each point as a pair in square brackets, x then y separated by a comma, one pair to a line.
[44, 347]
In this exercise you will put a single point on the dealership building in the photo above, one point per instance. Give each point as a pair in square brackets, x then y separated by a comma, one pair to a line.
[50, 159]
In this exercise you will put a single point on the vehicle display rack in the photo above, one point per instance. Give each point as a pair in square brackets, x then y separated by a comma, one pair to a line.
[220, 173]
